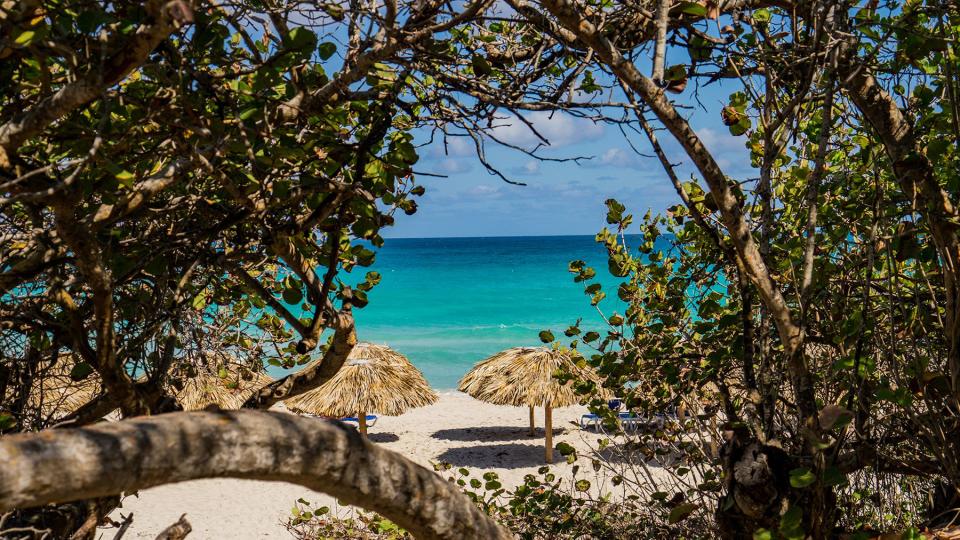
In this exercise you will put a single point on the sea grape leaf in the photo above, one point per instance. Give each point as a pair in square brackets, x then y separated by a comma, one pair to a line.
[681, 512]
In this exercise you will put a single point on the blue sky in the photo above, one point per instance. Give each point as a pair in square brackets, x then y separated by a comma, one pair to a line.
[559, 198]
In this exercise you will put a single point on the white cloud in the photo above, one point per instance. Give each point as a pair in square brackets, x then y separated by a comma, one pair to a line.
[485, 191]
[560, 129]
[720, 141]
[455, 147]
[453, 165]
[618, 157]
[530, 168]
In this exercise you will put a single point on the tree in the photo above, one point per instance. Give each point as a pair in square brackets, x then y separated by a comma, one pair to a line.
[242, 444]
[180, 176]
[185, 184]
[790, 366]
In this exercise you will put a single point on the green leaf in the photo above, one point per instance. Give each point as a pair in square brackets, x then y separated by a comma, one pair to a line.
[912, 534]
[292, 295]
[741, 127]
[126, 178]
[88, 21]
[480, 66]
[326, 50]
[7, 421]
[802, 477]
[582, 485]
[832, 476]
[546, 336]
[301, 38]
[565, 449]
[614, 211]
[762, 534]
[26, 38]
[761, 16]
[80, 371]
[693, 8]
[790, 520]
[681, 512]
[675, 73]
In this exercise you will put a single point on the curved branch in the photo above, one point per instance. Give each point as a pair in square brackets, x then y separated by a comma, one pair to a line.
[569, 15]
[316, 373]
[83, 463]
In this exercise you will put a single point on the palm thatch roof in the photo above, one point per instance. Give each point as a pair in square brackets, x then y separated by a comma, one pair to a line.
[56, 394]
[227, 389]
[525, 376]
[374, 379]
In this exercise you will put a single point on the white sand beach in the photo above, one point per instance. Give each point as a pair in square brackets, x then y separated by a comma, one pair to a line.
[457, 429]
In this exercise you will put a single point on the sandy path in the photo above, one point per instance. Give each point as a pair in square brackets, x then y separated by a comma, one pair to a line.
[457, 429]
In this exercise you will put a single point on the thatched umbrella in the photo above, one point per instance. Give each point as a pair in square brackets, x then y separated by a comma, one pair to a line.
[525, 376]
[374, 379]
[227, 389]
[56, 394]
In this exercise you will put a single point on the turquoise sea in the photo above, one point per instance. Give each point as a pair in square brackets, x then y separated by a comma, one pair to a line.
[447, 303]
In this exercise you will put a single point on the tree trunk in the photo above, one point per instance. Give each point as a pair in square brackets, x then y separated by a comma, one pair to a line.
[757, 481]
[314, 374]
[533, 429]
[548, 432]
[753, 510]
[110, 458]
[915, 175]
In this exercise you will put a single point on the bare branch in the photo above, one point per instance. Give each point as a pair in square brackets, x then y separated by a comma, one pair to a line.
[320, 455]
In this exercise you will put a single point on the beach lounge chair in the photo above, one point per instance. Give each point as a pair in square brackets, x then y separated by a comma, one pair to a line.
[589, 419]
[371, 420]
[627, 419]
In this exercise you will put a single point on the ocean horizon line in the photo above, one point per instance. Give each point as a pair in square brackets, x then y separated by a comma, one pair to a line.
[497, 236]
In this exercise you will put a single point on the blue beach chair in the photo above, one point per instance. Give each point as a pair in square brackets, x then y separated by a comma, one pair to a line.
[591, 419]
[371, 420]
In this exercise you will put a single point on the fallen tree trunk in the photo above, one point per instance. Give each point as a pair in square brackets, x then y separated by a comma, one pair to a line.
[106, 459]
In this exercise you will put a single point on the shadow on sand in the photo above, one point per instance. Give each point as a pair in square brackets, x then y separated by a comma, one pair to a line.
[499, 456]
[631, 453]
[492, 433]
[382, 437]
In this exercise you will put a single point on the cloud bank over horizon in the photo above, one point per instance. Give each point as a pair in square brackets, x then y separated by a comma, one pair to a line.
[560, 197]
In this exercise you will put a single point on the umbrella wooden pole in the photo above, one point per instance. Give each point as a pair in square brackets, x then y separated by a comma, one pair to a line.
[533, 430]
[548, 428]
[362, 419]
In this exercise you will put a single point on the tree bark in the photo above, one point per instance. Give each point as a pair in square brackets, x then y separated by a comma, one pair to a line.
[533, 427]
[548, 433]
[315, 374]
[106, 459]
[743, 514]
[791, 334]
[914, 172]
[660, 49]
